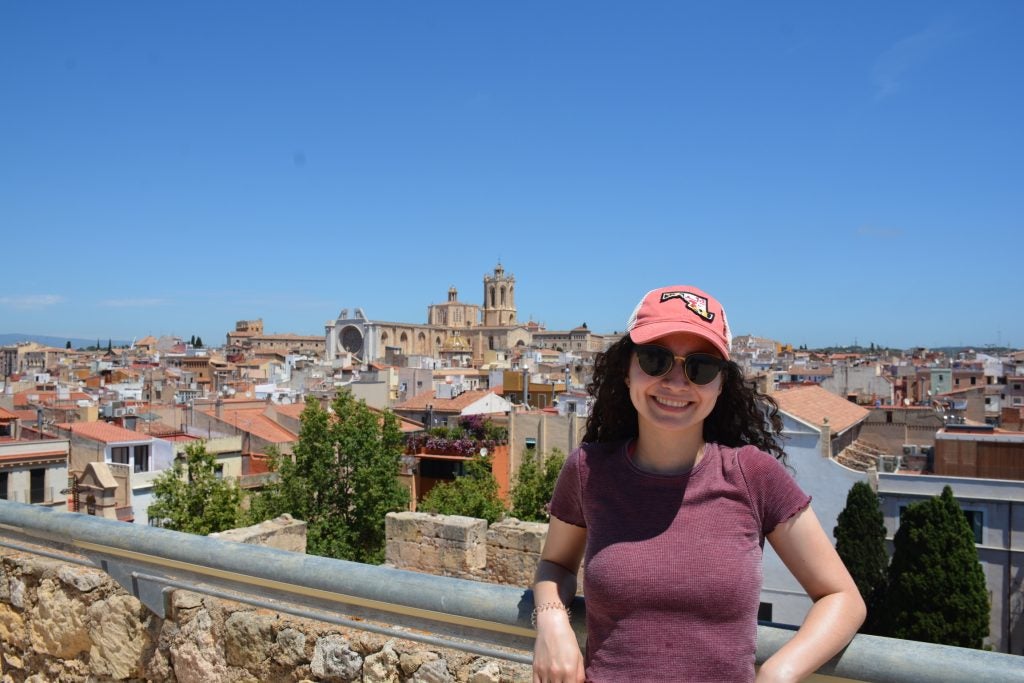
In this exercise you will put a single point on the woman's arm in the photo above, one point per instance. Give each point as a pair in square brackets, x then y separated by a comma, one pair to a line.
[556, 654]
[838, 609]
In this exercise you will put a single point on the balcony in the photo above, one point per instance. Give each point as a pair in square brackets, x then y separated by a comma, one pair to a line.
[484, 619]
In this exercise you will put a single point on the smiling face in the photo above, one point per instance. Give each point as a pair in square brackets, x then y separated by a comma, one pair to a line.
[671, 406]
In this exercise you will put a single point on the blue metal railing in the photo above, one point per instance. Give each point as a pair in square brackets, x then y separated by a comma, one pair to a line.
[485, 619]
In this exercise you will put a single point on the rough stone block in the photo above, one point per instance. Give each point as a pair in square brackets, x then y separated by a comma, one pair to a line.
[381, 667]
[435, 671]
[467, 530]
[119, 637]
[410, 662]
[83, 579]
[334, 660]
[58, 623]
[292, 647]
[247, 638]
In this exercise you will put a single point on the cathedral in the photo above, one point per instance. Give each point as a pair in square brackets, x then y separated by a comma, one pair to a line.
[454, 329]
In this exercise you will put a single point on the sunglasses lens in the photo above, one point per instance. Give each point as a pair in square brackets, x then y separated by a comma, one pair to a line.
[702, 368]
[654, 360]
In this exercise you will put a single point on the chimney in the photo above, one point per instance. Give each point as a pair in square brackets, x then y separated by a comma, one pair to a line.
[218, 407]
[826, 439]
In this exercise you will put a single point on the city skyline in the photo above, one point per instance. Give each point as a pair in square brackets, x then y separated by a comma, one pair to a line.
[832, 174]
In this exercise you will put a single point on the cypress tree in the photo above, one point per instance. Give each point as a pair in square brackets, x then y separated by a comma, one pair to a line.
[936, 590]
[860, 542]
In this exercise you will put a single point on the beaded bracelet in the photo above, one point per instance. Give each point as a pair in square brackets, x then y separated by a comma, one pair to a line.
[547, 606]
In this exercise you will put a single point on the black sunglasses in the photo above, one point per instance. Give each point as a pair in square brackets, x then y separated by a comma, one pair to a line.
[657, 361]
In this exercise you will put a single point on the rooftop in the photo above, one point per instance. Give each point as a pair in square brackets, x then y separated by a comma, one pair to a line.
[813, 405]
[103, 432]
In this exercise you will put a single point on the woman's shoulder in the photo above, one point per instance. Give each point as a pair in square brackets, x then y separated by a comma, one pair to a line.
[750, 459]
[591, 453]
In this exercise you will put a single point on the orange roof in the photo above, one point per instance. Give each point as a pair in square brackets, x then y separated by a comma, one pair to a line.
[290, 409]
[104, 432]
[253, 421]
[446, 405]
[47, 397]
[812, 404]
[6, 414]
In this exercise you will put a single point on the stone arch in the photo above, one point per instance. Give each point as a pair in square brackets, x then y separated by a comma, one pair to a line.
[492, 297]
[383, 340]
[437, 341]
[421, 343]
[403, 342]
[503, 295]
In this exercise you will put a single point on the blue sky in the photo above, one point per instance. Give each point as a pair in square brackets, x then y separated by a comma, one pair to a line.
[831, 171]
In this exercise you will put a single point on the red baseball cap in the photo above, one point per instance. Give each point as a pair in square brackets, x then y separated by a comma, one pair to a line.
[680, 308]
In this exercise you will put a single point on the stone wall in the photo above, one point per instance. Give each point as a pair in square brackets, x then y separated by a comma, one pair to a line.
[464, 547]
[65, 622]
[283, 533]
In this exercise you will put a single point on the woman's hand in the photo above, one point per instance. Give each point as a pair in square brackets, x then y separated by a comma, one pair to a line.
[556, 654]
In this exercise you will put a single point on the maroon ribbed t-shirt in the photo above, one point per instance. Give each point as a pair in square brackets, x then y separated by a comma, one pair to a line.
[673, 563]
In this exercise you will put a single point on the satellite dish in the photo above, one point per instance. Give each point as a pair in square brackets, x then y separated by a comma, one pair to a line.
[483, 452]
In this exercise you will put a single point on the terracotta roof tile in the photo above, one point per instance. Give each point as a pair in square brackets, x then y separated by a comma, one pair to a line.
[445, 405]
[812, 404]
[253, 420]
[104, 432]
[7, 415]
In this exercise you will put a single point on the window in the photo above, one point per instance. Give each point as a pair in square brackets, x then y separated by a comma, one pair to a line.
[974, 380]
[218, 471]
[531, 443]
[37, 486]
[3, 485]
[142, 458]
[975, 520]
[119, 454]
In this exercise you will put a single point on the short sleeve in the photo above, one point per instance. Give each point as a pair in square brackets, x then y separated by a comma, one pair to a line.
[566, 500]
[774, 494]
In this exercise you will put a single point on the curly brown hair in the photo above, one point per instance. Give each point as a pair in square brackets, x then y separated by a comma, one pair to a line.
[742, 415]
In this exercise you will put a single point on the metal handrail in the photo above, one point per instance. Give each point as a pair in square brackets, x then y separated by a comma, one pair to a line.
[487, 619]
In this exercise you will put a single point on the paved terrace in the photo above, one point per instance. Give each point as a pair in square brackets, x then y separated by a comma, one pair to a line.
[484, 619]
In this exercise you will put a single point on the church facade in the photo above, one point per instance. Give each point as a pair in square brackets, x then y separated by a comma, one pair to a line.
[455, 330]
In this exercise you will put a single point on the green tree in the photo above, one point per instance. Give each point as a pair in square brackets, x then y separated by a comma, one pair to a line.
[189, 497]
[67, 344]
[110, 345]
[473, 495]
[342, 480]
[199, 342]
[534, 484]
[936, 590]
[860, 542]
[192, 340]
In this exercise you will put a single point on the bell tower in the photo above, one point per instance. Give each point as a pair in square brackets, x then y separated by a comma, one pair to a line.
[499, 298]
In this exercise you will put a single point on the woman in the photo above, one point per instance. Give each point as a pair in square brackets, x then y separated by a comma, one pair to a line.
[672, 494]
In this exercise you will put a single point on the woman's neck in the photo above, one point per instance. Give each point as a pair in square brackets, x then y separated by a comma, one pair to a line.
[668, 454]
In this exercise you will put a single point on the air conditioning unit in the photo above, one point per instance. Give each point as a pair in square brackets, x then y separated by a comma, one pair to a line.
[118, 412]
[130, 410]
[910, 450]
[888, 463]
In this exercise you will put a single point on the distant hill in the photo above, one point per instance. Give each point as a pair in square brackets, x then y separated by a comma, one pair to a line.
[11, 338]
